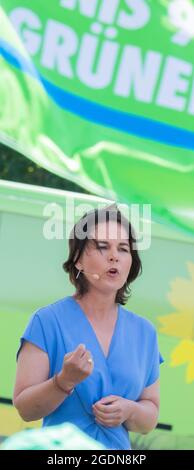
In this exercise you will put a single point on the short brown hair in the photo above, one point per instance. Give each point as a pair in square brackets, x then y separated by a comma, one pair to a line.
[77, 246]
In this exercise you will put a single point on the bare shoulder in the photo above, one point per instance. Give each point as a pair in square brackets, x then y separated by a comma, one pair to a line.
[32, 367]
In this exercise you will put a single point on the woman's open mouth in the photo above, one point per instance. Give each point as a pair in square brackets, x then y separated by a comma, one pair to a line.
[113, 272]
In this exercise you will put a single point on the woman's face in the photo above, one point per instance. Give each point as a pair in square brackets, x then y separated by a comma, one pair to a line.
[107, 248]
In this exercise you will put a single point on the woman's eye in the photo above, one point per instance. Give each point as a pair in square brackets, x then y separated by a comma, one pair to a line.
[104, 247]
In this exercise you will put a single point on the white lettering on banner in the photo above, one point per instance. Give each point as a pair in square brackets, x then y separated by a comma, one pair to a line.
[59, 46]
[86, 8]
[106, 10]
[27, 24]
[191, 104]
[135, 76]
[106, 61]
[181, 16]
[100, 62]
[139, 17]
[175, 82]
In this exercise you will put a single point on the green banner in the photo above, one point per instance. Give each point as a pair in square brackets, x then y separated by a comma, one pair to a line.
[101, 92]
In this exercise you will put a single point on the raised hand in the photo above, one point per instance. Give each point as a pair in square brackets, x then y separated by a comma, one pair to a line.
[77, 366]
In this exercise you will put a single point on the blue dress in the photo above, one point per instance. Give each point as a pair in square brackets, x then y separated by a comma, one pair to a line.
[132, 363]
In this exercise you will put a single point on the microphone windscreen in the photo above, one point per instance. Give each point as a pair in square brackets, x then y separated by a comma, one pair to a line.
[96, 276]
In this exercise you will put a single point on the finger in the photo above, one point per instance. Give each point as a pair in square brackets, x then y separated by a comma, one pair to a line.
[105, 417]
[68, 355]
[107, 420]
[87, 358]
[87, 366]
[108, 399]
[80, 351]
[105, 408]
[105, 411]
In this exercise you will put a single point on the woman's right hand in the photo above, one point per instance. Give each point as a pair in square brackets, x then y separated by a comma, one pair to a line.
[75, 367]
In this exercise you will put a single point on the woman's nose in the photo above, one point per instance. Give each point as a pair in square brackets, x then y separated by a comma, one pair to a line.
[113, 256]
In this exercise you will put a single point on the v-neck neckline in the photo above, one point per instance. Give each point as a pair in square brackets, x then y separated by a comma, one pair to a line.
[93, 331]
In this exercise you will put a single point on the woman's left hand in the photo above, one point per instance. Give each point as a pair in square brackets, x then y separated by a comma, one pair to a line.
[112, 410]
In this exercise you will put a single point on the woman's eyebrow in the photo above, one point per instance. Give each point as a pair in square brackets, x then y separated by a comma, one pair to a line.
[124, 243]
[107, 243]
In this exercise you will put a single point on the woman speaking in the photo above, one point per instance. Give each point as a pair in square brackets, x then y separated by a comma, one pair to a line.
[86, 359]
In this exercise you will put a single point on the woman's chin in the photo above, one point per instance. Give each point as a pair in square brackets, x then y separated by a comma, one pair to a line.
[111, 286]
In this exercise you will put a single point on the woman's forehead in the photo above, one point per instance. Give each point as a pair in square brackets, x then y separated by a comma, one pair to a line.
[109, 230]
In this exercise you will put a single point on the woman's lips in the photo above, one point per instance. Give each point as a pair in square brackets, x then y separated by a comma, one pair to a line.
[112, 274]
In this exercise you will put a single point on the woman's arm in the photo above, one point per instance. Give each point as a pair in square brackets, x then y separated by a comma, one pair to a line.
[143, 415]
[35, 396]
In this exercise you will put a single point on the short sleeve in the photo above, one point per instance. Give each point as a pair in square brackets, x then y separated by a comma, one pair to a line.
[154, 361]
[34, 333]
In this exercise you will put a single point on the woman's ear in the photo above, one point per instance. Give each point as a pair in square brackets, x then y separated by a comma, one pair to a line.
[77, 263]
[78, 266]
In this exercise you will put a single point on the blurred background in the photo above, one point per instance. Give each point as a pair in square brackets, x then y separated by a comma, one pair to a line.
[97, 105]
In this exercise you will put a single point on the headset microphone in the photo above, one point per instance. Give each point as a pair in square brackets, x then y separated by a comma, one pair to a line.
[95, 276]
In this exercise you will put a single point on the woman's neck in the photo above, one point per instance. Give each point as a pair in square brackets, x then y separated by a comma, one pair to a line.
[96, 306]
